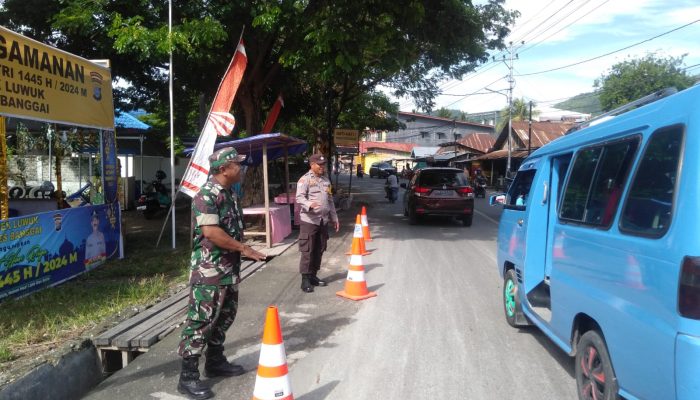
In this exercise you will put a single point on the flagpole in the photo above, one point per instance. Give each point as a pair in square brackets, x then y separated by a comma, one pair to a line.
[172, 128]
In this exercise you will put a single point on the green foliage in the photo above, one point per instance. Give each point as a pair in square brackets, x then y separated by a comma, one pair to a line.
[634, 78]
[520, 112]
[444, 113]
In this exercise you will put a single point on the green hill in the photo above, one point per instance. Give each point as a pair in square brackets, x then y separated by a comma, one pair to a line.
[587, 103]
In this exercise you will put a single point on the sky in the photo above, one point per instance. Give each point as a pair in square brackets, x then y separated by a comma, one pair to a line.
[558, 33]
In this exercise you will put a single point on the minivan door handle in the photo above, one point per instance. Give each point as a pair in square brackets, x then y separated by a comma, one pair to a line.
[544, 195]
[520, 222]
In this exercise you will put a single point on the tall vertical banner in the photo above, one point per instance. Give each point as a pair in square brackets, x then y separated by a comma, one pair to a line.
[219, 122]
[109, 166]
[274, 113]
[4, 197]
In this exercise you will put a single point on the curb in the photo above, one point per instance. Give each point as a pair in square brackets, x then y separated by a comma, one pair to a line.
[74, 375]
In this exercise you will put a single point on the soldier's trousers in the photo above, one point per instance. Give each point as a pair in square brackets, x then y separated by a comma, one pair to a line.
[210, 313]
[313, 240]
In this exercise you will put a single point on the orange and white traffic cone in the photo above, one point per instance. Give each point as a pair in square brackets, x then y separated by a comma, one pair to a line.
[358, 242]
[355, 284]
[272, 381]
[365, 226]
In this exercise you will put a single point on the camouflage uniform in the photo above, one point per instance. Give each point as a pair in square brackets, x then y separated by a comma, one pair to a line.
[214, 272]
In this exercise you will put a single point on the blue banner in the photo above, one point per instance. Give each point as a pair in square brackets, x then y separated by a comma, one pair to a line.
[109, 166]
[43, 250]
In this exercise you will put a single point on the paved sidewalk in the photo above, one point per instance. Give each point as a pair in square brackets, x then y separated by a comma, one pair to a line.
[308, 320]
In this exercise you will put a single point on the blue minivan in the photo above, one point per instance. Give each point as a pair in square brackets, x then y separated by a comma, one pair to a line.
[599, 247]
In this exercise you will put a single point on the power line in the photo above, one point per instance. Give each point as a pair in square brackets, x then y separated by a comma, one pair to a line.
[565, 26]
[612, 52]
[522, 38]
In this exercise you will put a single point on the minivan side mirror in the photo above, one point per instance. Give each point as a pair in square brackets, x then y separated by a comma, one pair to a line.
[497, 199]
[403, 185]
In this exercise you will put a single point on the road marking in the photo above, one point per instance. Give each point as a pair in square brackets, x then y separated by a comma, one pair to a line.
[486, 216]
[167, 396]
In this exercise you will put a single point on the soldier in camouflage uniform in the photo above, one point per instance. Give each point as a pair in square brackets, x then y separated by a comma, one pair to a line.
[214, 274]
[314, 195]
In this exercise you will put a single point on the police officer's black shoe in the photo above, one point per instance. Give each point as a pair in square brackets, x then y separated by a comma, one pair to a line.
[317, 282]
[306, 285]
[216, 364]
[189, 383]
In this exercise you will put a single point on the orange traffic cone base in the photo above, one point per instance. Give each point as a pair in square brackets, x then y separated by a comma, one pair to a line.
[342, 293]
[349, 253]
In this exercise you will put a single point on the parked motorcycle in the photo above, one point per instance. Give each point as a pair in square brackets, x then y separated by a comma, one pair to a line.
[156, 197]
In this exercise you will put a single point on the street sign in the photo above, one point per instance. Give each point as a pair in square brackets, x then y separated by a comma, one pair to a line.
[43, 83]
[346, 137]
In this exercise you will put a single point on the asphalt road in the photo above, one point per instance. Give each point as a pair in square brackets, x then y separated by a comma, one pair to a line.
[435, 330]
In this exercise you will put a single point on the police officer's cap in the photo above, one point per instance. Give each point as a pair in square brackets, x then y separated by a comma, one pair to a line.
[317, 158]
[223, 156]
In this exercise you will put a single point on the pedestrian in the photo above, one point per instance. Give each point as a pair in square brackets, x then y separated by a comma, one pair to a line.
[314, 194]
[360, 173]
[392, 187]
[215, 264]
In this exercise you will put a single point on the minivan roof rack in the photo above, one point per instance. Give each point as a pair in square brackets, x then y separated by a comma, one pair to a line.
[650, 98]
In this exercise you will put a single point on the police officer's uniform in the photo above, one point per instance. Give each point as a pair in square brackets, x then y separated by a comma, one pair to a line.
[313, 227]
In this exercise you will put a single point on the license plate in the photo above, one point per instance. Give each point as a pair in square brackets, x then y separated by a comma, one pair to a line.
[140, 208]
[442, 193]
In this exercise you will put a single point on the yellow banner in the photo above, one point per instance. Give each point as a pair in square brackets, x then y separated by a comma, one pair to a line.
[345, 137]
[4, 198]
[42, 83]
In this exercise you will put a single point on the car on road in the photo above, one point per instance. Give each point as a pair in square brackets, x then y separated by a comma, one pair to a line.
[438, 191]
[381, 170]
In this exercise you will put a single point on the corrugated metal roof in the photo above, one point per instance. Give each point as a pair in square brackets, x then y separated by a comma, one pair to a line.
[124, 120]
[423, 151]
[482, 142]
[402, 147]
[449, 120]
[542, 132]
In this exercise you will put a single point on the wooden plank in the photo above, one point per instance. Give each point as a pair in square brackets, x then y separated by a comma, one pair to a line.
[105, 338]
[123, 339]
[155, 333]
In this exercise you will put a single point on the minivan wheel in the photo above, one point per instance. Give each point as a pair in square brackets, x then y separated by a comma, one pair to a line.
[595, 377]
[511, 302]
[467, 220]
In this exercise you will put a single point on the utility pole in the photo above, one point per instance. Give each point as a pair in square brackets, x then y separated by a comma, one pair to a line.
[529, 131]
[510, 105]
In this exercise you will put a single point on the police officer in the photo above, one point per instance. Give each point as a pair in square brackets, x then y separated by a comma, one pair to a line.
[214, 274]
[315, 197]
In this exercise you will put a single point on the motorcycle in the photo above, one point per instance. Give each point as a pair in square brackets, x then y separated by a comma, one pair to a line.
[156, 197]
[480, 188]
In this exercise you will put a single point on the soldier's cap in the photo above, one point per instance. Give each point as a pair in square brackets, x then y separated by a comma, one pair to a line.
[223, 156]
[317, 158]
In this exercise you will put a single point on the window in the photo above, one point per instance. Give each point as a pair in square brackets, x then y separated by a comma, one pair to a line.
[425, 135]
[596, 183]
[443, 178]
[441, 135]
[647, 210]
[520, 189]
[458, 136]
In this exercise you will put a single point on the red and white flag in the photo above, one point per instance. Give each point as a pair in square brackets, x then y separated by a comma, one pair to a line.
[219, 122]
[274, 113]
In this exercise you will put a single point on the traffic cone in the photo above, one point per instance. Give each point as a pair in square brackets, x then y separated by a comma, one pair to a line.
[365, 226]
[357, 240]
[272, 380]
[355, 284]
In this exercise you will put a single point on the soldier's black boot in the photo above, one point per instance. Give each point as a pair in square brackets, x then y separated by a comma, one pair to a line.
[306, 285]
[216, 363]
[189, 383]
[313, 279]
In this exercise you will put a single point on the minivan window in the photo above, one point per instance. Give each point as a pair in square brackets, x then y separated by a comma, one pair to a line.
[647, 210]
[520, 189]
[576, 192]
[597, 180]
[440, 178]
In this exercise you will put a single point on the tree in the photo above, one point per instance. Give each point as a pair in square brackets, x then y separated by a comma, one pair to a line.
[634, 78]
[520, 112]
[444, 113]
